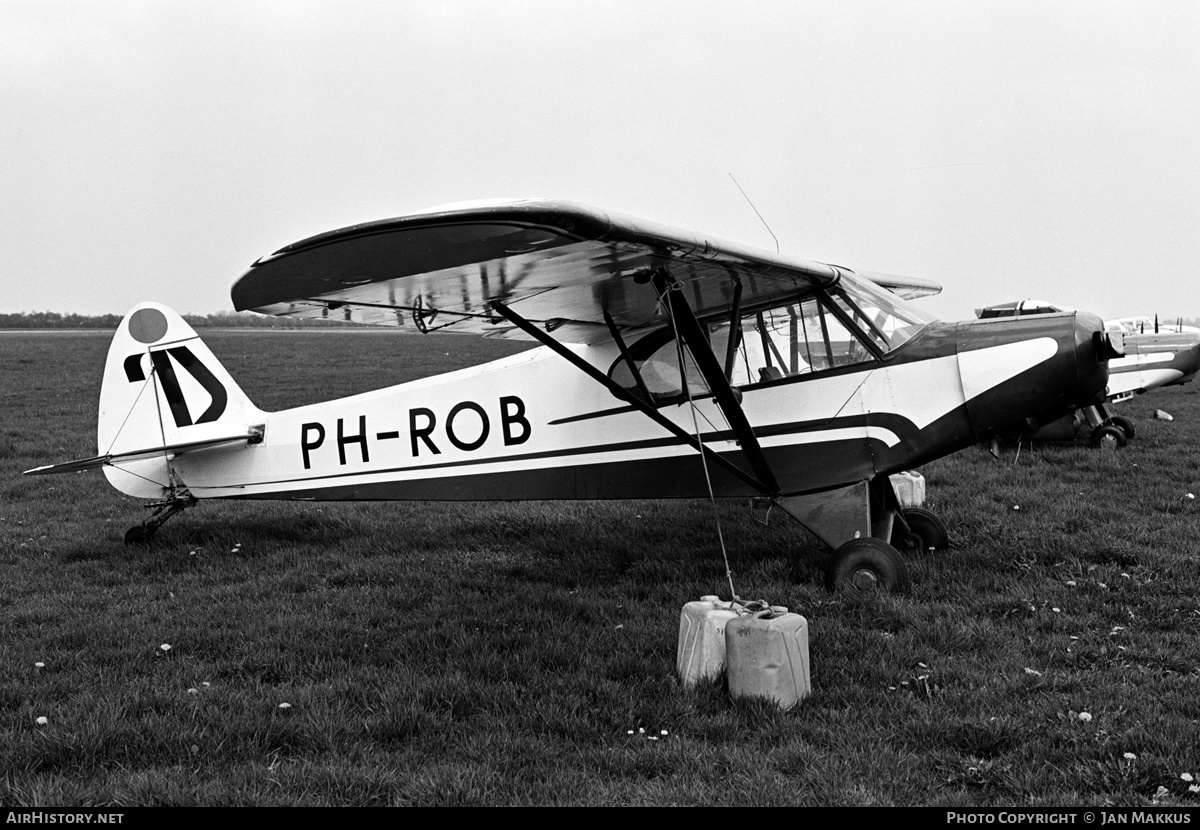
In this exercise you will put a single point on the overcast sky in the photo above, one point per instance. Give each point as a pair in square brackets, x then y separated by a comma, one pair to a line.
[153, 150]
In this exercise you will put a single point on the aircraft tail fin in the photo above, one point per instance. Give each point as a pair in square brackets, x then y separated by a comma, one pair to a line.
[164, 393]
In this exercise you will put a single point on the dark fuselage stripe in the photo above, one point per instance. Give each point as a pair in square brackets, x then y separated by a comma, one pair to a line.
[897, 424]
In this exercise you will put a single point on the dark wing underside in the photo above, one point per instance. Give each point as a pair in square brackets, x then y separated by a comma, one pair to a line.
[558, 264]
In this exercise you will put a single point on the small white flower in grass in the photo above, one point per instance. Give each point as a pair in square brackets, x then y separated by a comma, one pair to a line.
[1016, 507]
[1034, 672]
[41, 721]
[1129, 756]
[206, 684]
[1085, 716]
[39, 665]
[1056, 610]
[193, 691]
[1194, 788]
[630, 732]
[285, 706]
[1191, 495]
[1186, 776]
[165, 647]
[1071, 582]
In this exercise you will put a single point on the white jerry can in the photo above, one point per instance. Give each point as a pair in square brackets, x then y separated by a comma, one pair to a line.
[766, 655]
[701, 653]
[910, 488]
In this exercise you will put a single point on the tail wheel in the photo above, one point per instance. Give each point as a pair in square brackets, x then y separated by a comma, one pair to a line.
[867, 564]
[1109, 437]
[926, 531]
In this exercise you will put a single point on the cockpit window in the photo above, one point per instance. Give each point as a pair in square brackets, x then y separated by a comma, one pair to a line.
[660, 373]
[855, 322]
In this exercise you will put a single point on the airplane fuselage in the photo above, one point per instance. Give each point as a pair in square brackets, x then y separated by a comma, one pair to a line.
[531, 426]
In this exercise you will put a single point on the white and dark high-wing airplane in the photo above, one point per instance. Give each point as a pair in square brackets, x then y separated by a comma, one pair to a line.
[670, 360]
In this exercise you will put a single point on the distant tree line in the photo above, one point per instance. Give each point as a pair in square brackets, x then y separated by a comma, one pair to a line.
[224, 319]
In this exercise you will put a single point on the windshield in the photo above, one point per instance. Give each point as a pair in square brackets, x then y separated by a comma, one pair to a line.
[896, 319]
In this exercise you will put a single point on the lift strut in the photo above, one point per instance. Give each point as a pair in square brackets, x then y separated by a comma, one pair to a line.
[693, 335]
[633, 399]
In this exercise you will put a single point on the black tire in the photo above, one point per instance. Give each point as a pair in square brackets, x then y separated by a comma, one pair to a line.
[1108, 437]
[1125, 425]
[866, 564]
[926, 531]
[139, 535]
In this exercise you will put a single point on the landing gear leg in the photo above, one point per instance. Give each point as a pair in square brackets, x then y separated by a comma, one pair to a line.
[1108, 433]
[1124, 424]
[143, 534]
[864, 523]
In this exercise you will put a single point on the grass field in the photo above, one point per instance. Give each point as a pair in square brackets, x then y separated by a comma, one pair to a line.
[442, 654]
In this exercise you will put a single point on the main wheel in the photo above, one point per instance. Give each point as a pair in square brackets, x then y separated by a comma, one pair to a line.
[1124, 424]
[139, 535]
[926, 531]
[1108, 437]
[866, 564]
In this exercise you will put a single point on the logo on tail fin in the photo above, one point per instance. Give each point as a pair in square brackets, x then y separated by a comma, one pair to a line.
[170, 383]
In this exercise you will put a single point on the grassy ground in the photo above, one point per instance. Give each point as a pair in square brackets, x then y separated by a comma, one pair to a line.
[413, 653]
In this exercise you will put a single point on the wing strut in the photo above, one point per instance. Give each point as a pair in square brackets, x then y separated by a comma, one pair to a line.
[693, 334]
[630, 398]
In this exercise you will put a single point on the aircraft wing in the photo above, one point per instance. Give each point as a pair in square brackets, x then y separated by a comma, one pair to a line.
[560, 265]
[907, 287]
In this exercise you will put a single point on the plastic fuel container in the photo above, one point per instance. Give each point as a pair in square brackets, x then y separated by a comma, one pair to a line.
[766, 655]
[701, 653]
[910, 488]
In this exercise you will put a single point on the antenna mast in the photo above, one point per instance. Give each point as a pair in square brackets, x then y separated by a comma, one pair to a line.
[759, 215]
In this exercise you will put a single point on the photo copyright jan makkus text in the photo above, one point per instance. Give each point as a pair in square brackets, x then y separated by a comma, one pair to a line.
[1098, 817]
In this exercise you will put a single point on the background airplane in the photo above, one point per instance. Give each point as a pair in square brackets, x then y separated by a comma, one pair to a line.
[1161, 356]
[675, 365]
[1149, 325]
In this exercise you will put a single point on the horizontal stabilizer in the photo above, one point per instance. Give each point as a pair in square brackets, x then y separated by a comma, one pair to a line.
[171, 450]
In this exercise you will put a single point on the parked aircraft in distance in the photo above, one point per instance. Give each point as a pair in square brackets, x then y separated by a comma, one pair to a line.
[1149, 325]
[1163, 356]
[675, 365]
